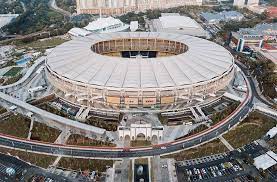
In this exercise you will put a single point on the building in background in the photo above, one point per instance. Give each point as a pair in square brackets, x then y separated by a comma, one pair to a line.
[252, 2]
[78, 32]
[134, 25]
[6, 19]
[255, 36]
[107, 25]
[257, 9]
[272, 12]
[239, 3]
[116, 7]
[174, 23]
[242, 3]
[214, 18]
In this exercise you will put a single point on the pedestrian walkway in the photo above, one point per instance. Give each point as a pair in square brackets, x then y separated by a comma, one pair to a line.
[227, 144]
[110, 175]
[30, 129]
[63, 137]
[123, 167]
[55, 163]
[173, 132]
[84, 114]
[171, 170]
[265, 109]
[194, 114]
[80, 112]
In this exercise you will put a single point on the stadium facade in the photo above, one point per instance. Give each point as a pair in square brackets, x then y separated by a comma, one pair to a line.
[116, 7]
[138, 70]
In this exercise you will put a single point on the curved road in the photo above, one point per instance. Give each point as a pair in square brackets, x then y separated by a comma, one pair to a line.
[78, 151]
[53, 5]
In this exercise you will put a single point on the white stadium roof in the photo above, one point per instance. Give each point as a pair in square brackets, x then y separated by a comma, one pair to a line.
[101, 23]
[174, 23]
[79, 32]
[203, 61]
[178, 21]
[266, 160]
[6, 19]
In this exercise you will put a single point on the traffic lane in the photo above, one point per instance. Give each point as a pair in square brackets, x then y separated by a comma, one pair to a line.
[253, 86]
[118, 154]
[114, 154]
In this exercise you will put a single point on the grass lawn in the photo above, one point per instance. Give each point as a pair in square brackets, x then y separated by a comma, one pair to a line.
[12, 80]
[36, 159]
[42, 132]
[140, 143]
[198, 129]
[108, 125]
[49, 108]
[85, 164]
[40, 44]
[15, 125]
[252, 128]
[13, 72]
[210, 148]
[219, 116]
[2, 110]
[75, 139]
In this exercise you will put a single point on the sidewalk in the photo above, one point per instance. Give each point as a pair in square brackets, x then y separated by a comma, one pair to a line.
[226, 143]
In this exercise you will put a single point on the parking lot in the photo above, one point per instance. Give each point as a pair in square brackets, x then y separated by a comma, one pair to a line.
[209, 170]
[13, 169]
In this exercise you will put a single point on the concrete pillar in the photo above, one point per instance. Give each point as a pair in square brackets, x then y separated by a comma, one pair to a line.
[240, 45]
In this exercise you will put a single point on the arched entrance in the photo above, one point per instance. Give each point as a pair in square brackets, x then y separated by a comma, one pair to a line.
[126, 141]
[127, 137]
[154, 139]
[141, 136]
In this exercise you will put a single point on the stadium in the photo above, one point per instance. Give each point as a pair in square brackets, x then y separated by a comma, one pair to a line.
[139, 70]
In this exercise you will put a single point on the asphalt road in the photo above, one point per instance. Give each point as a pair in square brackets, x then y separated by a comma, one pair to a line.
[61, 150]
[253, 86]
[53, 4]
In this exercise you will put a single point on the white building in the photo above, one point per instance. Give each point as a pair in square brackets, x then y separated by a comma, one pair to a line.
[107, 25]
[239, 3]
[214, 18]
[134, 25]
[5, 19]
[140, 128]
[79, 32]
[253, 2]
[266, 160]
[174, 23]
[5, 51]
[272, 132]
[255, 35]
[242, 3]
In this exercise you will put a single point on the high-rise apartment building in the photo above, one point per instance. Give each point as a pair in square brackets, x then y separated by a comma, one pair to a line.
[116, 7]
[241, 3]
